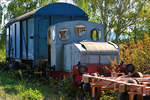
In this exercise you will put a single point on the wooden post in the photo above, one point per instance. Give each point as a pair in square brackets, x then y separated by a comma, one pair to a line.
[98, 93]
[131, 95]
[93, 91]
[140, 96]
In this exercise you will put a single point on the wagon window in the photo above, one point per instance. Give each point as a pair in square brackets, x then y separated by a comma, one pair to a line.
[64, 34]
[95, 34]
[80, 30]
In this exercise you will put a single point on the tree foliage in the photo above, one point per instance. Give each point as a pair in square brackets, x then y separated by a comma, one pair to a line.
[85, 5]
[2, 45]
[137, 53]
[45, 2]
[19, 7]
[120, 18]
[1, 13]
[117, 16]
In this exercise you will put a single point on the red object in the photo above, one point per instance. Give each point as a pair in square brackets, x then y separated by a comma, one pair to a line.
[107, 69]
[59, 75]
[77, 76]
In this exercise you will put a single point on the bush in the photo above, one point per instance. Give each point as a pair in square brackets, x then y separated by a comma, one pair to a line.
[2, 45]
[137, 53]
[32, 94]
[108, 95]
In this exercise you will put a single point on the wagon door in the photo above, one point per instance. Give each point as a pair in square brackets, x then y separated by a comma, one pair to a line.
[30, 38]
[43, 25]
[67, 57]
[71, 57]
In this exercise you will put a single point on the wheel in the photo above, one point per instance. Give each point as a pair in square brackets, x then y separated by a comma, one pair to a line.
[146, 97]
[86, 88]
[129, 68]
[123, 96]
[82, 69]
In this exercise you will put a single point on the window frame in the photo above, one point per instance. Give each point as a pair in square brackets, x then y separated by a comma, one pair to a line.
[79, 33]
[98, 33]
[59, 35]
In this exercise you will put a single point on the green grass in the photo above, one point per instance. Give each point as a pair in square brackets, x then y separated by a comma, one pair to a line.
[12, 88]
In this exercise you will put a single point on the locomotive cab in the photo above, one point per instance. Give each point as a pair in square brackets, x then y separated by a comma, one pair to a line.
[80, 41]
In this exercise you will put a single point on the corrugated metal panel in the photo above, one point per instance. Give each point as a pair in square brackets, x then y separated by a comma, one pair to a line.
[30, 38]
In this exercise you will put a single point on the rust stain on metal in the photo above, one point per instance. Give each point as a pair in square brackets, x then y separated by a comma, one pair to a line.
[121, 84]
[101, 47]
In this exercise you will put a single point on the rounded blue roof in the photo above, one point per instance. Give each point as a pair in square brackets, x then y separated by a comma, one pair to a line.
[61, 9]
[64, 9]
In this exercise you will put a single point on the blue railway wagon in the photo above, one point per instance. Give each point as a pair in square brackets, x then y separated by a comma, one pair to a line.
[27, 34]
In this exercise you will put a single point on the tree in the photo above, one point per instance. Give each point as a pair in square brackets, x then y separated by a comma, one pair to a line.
[45, 2]
[85, 5]
[117, 15]
[19, 7]
[137, 53]
[1, 13]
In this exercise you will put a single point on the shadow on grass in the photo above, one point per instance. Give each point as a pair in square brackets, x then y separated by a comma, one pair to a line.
[32, 87]
[12, 85]
[11, 91]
